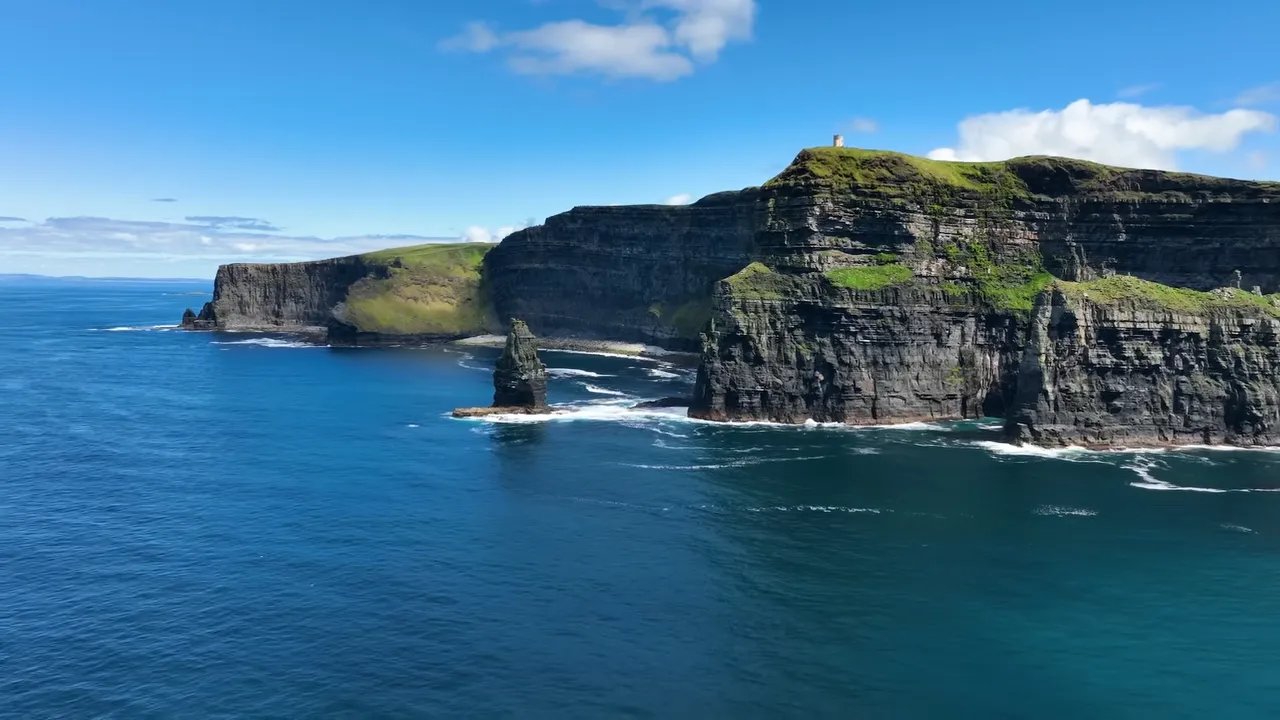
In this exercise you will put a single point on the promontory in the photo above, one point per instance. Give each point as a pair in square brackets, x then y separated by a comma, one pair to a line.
[1084, 304]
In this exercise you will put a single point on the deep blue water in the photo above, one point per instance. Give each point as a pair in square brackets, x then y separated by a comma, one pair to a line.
[194, 525]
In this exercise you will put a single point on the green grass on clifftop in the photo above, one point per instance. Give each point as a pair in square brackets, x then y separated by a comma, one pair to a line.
[874, 277]
[1128, 290]
[897, 173]
[429, 290]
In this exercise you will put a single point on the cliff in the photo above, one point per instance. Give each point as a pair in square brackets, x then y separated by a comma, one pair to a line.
[422, 292]
[888, 288]
[640, 273]
[873, 287]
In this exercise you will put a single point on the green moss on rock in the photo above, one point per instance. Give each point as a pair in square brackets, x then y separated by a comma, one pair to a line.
[875, 277]
[1144, 294]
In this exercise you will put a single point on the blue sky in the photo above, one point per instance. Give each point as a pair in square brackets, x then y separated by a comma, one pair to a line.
[161, 139]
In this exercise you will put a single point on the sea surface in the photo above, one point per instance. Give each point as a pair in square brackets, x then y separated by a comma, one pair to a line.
[196, 525]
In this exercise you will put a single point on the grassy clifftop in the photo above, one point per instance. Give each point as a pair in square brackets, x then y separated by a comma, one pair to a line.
[898, 174]
[425, 290]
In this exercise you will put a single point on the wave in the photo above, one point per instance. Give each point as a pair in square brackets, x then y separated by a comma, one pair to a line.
[138, 328]
[574, 372]
[269, 343]
[1236, 528]
[602, 391]
[663, 374]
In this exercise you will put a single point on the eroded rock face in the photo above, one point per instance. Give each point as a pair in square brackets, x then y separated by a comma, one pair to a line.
[835, 355]
[634, 273]
[520, 379]
[282, 296]
[1098, 375]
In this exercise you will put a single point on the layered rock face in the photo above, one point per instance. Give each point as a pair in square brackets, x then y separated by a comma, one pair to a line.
[638, 273]
[836, 355]
[520, 378]
[283, 296]
[1123, 374]
[892, 289]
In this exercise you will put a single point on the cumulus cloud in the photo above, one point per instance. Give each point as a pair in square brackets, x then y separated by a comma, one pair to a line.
[1123, 134]
[864, 125]
[681, 199]
[89, 237]
[1268, 94]
[659, 40]
[479, 233]
[233, 222]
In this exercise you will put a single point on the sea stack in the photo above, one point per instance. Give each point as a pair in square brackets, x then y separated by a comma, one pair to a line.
[204, 321]
[520, 379]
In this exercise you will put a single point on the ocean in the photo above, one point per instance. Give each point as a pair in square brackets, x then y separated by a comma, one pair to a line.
[196, 525]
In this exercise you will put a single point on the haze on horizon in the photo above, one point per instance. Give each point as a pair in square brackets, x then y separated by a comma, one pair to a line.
[162, 140]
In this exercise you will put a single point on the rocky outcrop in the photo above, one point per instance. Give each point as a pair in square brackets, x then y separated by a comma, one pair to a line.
[204, 321]
[1129, 374]
[520, 379]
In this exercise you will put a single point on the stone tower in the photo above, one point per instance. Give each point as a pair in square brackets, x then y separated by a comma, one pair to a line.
[837, 141]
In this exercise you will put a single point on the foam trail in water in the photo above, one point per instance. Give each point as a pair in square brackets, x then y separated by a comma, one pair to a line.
[138, 328]
[663, 374]
[1061, 511]
[574, 372]
[601, 391]
[269, 343]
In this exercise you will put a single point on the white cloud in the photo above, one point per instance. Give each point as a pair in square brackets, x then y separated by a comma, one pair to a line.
[479, 233]
[1134, 91]
[864, 125]
[681, 199]
[1123, 134]
[1261, 95]
[661, 40]
[475, 37]
[149, 241]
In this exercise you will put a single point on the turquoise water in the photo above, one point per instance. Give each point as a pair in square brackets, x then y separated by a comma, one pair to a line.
[194, 525]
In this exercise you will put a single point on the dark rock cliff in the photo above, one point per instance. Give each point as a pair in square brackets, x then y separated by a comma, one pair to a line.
[874, 287]
[1121, 373]
[636, 273]
[280, 296]
[891, 289]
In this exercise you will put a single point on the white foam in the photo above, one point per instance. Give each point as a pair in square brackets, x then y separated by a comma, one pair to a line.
[864, 451]
[412, 425]
[138, 328]
[269, 343]
[596, 389]
[663, 374]
[817, 508]
[574, 372]
[745, 462]
[1236, 528]
[1061, 511]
